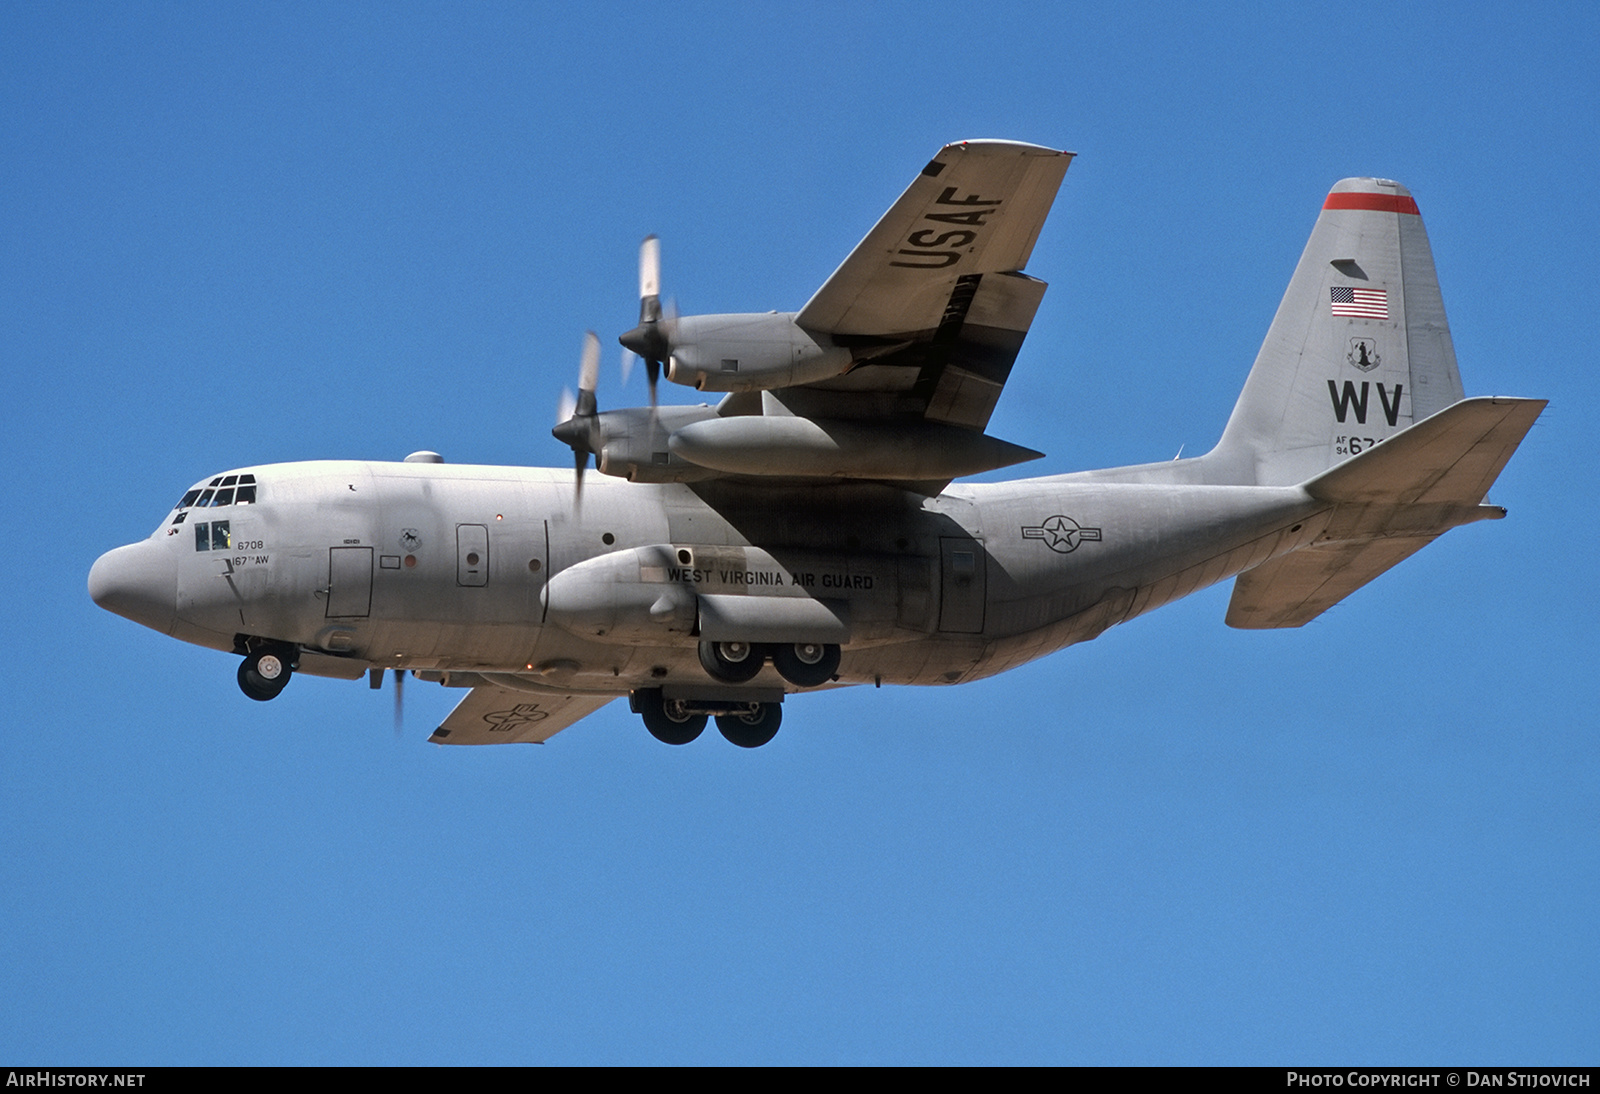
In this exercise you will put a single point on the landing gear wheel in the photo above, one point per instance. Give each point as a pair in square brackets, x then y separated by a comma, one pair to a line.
[732, 662]
[265, 673]
[806, 664]
[667, 719]
[754, 729]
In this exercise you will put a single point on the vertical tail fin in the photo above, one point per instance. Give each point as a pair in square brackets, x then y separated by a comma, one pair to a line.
[1358, 351]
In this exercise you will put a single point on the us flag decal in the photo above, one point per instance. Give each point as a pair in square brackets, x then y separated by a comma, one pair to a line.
[1360, 303]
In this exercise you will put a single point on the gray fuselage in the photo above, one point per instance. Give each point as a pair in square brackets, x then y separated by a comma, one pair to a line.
[491, 570]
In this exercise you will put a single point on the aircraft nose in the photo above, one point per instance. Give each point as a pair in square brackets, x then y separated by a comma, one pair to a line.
[138, 582]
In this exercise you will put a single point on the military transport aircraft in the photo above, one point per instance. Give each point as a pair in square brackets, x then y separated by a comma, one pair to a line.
[804, 533]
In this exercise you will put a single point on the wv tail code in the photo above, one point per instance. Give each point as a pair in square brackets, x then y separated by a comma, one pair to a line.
[1350, 398]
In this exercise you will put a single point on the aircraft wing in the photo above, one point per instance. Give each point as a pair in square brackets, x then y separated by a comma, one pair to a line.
[933, 301]
[496, 716]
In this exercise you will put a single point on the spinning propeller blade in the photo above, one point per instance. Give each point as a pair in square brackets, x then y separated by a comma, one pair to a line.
[579, 427]
[399, 701]
[651, 339]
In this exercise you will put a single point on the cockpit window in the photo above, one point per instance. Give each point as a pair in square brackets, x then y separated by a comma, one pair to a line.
[222, 490]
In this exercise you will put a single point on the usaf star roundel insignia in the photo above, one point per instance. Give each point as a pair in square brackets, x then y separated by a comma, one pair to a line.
[1061, 534]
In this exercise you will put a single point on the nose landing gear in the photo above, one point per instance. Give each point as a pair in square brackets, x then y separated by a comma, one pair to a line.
[265, 671]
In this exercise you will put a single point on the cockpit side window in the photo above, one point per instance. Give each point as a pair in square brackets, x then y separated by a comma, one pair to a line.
[214, 536]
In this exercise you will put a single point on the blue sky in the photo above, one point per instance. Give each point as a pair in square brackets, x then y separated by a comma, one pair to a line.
[233, 234]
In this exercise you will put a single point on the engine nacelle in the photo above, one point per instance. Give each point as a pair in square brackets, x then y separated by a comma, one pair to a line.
[750, 353]
[634, 444]
[760, 445]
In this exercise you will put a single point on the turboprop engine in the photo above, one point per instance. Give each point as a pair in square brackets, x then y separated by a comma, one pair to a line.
[750, 353]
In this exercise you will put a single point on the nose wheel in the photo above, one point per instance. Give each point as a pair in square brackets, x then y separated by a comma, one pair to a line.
[265, 672]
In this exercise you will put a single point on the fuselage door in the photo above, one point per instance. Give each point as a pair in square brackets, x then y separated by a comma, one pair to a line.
[963, 585]
[349, 582]
[472, 554]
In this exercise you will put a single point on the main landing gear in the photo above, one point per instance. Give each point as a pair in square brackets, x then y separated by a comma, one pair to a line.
[265, 671]
[803, 664]
[679, 721]
[670, 721]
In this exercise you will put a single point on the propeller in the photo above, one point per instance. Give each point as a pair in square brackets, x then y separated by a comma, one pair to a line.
[652, 338]
[579, 427]
[375, 681]
[399, 701]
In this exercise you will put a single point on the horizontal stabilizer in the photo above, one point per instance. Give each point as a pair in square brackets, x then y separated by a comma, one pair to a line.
[1294, 589]
[1451, 458]
[498, 716]
[1390, 502]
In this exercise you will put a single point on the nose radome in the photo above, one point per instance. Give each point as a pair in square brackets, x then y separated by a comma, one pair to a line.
[138, 582]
